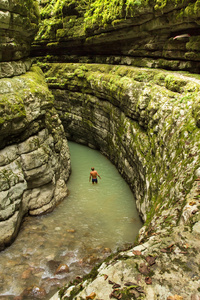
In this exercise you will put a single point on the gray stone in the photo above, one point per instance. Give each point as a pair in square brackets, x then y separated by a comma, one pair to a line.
[33, 170]
[196, 228]
[34, 159]
[4, 4]
[4, 19]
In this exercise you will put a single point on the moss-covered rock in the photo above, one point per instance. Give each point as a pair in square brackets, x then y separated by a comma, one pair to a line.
[144, 116]
[131, 32]
[34, 155]
[146, 121]
[18, 26]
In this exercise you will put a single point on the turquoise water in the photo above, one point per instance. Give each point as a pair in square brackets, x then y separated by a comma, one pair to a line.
[90, 223]
[106, 211]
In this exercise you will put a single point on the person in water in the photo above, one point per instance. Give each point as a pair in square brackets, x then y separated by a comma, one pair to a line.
[93, 175]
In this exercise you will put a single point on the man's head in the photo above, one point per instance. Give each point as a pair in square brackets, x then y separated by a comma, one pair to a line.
[92, 168]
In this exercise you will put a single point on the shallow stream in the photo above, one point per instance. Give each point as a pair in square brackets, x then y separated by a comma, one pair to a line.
[90, 223]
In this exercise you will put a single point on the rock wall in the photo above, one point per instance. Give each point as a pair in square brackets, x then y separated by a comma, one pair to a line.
[147, 123]
[34, 155]
[19, 20]
[140, 119]
[137, 33]
[18, 26]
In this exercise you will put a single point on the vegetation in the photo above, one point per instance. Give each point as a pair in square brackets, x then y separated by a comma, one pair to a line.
[101, 13]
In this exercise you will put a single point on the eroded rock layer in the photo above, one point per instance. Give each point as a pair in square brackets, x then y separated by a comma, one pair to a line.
[147, 123]
[34, 155]
[156, 34]
[18, 26]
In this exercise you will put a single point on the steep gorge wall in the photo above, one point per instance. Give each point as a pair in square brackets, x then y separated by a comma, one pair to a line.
[34, 155]
[144, 121]
[147, 123]
[137, 33]
[18, 26]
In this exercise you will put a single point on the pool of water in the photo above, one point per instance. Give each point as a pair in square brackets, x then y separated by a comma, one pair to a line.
[93, 221]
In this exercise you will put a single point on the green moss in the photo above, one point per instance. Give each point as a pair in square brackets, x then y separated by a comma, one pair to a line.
[127, 293]
[154, 111]
[174, 84]
[193, 44]
[100, 13]
[69, 18]
[11, 108]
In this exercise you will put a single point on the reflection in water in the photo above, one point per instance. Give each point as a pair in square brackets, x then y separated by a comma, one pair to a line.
[92, 221]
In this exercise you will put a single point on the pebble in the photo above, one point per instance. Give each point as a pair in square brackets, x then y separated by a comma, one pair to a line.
[63, 268]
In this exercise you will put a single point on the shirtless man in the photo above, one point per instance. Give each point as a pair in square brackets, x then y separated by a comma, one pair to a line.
[94, 175]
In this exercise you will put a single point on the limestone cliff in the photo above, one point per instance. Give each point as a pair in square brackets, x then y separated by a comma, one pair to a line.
[34, 155]
[138, 33]
[18, 26]
[147, 123]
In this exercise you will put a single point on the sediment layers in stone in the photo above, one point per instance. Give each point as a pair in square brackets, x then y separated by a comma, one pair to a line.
[147, 123]
[139, 34]
[18, 26]
[34, 155]
[144, 120]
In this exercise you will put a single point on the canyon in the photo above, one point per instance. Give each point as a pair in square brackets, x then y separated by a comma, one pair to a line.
[117, 84]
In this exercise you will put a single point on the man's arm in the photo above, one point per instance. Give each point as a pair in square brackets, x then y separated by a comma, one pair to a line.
[90, 177]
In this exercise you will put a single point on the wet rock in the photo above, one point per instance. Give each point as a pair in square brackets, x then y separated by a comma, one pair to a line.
[50, 257]
[57, 228]
[27, 273]
[107, 250]
[71, 230]
[34, 292]
[53, 265]
[62, 268]
[51, 283]
[37, 272]
[91, 259]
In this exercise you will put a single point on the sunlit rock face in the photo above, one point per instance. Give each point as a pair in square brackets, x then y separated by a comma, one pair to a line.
[146, 121]
[160, 34]
[34, 155]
